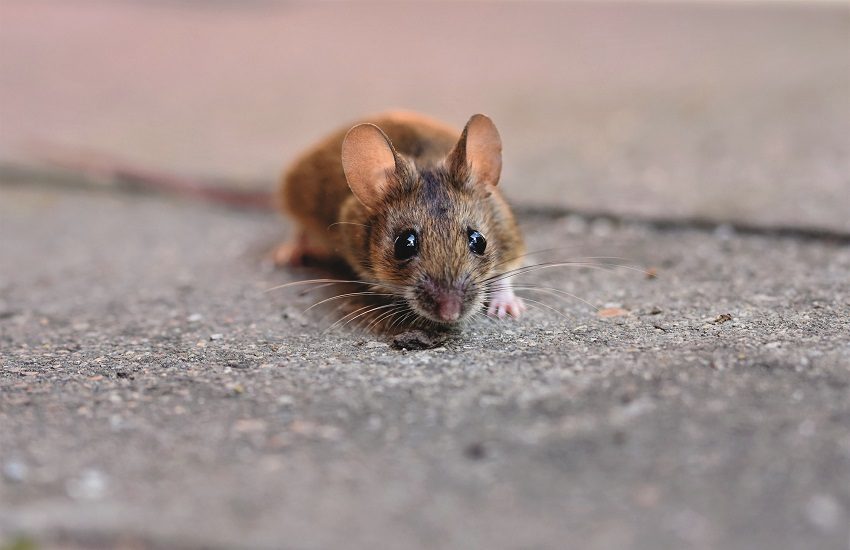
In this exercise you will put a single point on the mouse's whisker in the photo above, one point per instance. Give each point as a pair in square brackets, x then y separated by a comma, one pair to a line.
[396, 316]
[489, 297]
[313, 282]
[385, 315]
[327, 282]
[413, 319]
[341, 319]
[368, 311]
[547, 306]
[557, 292]
[578, 263]
[405, 314]
[408, 319]
[347, 295]
[378, 286]
[345, 307]
[305, 291]
[536, 308]
[538, 252]
[344, 321]
[482, 315]
[550, 265]
[334, 311]
[339, 322]
[524, 269]
[419, 322]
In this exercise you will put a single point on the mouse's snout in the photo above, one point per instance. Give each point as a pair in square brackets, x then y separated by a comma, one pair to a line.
[448, 307]
[444, 303]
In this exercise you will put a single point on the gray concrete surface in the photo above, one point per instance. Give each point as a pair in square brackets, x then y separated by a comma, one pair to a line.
[154, 395]
[727, 111]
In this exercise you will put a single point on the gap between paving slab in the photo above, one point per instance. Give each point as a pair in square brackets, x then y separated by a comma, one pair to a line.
[255, 196]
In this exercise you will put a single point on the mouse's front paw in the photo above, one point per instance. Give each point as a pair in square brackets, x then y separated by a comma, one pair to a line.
[504, 302]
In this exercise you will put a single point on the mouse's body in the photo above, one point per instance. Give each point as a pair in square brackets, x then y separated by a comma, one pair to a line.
[412, 206]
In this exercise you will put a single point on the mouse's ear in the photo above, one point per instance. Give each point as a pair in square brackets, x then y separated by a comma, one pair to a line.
[369, 161]
[478, 151]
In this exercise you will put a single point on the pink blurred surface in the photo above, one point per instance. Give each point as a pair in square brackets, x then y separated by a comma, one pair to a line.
[728, 111]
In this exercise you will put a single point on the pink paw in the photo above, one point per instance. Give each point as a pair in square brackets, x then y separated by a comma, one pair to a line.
[289, 254]
[505, 303]
[299, 253]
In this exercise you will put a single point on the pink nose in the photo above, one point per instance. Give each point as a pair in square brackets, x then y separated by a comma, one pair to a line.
[448, 307]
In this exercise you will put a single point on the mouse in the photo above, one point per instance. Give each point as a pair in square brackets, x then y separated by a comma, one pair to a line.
[413, 207]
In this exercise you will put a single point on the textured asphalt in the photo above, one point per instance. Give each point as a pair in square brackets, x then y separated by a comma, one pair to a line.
[155, 394]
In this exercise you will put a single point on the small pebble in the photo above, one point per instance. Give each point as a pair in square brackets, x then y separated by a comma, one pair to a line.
[724, 232]
[608, 312]
[375, 345]
[575, 225]
[15, 471]
[216, 336]
[418, 340]
[601, 227]
[824, 512]
[90, 485]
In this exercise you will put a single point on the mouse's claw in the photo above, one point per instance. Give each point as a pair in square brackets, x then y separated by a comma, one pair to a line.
[504, 303]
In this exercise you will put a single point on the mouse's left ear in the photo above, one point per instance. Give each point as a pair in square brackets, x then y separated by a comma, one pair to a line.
[478, 151]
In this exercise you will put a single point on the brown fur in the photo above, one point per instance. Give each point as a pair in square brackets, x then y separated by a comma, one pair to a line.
[433, 190]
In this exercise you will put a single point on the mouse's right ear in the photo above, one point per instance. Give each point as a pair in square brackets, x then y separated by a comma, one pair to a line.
[369, 162]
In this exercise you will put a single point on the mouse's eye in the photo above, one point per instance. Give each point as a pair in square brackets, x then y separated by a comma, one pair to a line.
[406, 245]
[477, 242]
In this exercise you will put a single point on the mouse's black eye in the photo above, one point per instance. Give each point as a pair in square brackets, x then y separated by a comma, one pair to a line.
[477, 242]
[406, 245]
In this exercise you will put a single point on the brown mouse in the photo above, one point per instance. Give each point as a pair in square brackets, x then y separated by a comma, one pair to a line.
[413, 207]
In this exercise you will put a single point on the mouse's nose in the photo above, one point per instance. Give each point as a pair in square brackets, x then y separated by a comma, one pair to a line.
[448, 307]
[443, 301]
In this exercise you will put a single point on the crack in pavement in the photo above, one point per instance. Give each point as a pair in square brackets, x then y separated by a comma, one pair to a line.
[255, 195]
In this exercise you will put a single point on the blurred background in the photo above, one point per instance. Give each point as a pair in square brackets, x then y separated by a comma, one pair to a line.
[730, 111]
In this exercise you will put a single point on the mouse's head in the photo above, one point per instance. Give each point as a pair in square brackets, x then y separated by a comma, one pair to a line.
[434, 231]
